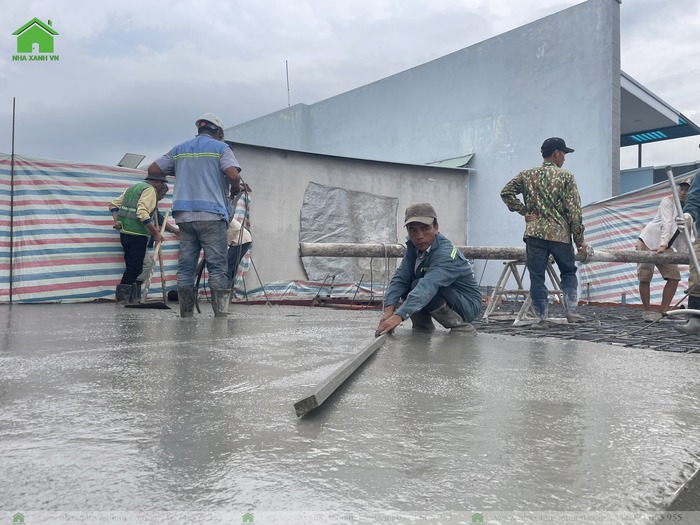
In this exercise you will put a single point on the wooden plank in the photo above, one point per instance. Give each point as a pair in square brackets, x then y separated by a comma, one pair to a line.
[340, 249]
[309, 249]
[319, 394]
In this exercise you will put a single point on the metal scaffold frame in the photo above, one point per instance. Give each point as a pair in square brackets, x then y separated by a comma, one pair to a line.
[526, 314]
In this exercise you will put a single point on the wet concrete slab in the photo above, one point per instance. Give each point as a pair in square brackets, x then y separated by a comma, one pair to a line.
[104, 408]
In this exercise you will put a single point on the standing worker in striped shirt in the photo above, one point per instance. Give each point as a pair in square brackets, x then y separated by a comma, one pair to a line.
[205, 168]
[552, 211]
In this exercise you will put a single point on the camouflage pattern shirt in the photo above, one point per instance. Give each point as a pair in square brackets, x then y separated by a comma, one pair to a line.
[550, 193]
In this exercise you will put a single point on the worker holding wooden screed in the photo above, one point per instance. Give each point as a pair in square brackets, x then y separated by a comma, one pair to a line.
[434, 279]
[132, 213]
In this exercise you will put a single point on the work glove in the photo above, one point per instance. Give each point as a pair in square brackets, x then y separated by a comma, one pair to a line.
[685, 221]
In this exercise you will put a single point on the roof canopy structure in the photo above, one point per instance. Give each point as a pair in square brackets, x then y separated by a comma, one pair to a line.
[646, 118]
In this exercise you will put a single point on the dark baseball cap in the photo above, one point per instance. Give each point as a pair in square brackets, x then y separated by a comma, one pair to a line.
[421, 212]
[552, 144]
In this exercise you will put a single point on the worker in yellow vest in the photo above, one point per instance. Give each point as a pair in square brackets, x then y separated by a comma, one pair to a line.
[132, 212]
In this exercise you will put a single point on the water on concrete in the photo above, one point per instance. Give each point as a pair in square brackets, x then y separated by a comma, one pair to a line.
[105, 408]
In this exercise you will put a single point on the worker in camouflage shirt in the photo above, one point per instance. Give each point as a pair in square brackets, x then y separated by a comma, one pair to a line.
[552, 211]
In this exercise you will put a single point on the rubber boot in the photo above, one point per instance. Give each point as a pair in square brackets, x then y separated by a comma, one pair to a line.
[220, 300]
[570, 304]
[123, 293]
[692, 327]
[136, 292]
[422, 321]
[186, 297]
[448, 318]
[542, 313]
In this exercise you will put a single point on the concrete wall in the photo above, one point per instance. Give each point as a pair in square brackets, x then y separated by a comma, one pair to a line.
[278, 179]
[499, 99]
[636, 178]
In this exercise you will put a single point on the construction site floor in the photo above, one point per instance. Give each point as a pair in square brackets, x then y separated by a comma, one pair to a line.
[123, 415]
[614, 325]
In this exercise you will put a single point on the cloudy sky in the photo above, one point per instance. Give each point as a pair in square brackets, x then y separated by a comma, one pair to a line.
[132, 76]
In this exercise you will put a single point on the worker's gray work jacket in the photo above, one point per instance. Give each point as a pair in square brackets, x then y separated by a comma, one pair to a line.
[444, 266]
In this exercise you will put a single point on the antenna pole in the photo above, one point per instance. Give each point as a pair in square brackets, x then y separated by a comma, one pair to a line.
[286, 65]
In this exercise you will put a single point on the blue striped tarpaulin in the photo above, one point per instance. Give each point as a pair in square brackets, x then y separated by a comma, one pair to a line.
[64, 248]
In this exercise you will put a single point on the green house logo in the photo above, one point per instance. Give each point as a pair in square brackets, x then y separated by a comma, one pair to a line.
[477, 518]
[18, 518]
[247, 518]
[35, 41]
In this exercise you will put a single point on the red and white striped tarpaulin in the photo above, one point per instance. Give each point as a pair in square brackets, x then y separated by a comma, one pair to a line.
[615, 224]
[64, 248]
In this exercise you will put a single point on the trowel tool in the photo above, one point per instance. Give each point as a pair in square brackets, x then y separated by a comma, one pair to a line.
[320, 393]
[685, 312]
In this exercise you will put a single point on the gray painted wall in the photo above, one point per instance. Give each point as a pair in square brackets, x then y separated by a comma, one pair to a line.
[499, 99]
[637, 178]
[278, 179]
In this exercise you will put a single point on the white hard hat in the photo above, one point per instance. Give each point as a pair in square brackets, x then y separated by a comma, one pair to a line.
[212, 119]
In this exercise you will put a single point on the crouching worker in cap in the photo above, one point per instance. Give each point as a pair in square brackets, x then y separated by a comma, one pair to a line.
[132, 212]
[434, 279]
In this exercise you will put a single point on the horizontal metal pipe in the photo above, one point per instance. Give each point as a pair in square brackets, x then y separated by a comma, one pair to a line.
[317, 249]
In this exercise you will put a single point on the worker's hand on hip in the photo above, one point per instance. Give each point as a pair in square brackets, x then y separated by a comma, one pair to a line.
[117, 225]
[529, 217]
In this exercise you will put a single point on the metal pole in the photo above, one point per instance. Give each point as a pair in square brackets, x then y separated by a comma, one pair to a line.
[639, 156]
[12, 197]
[289, 100]
[686, 231]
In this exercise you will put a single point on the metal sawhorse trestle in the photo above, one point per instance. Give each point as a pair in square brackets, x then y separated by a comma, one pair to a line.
[526, 315]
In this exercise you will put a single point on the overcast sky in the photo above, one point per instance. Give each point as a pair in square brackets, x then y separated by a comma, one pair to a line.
[132, 76]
